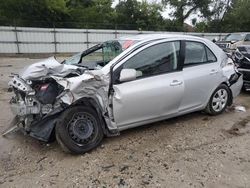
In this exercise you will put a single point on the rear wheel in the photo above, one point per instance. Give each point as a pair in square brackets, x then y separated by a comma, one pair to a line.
[218, 101]
[79, 130]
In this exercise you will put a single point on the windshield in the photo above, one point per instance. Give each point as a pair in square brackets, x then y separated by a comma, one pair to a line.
[99, 55]
[73, 59]
[234, 37]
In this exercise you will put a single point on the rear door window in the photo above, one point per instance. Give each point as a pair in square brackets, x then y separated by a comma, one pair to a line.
[197, 53]
[210, 55]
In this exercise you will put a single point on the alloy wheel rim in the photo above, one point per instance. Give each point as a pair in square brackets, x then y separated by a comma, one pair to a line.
[219, 100]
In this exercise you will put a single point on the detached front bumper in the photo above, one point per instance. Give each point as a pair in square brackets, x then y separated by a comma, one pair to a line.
[40, 128]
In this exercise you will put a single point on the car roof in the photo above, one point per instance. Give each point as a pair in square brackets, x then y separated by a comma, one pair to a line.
[145, 38]
[142, 37]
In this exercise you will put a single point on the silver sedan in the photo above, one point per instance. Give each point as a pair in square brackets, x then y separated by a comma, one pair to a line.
[135, 81]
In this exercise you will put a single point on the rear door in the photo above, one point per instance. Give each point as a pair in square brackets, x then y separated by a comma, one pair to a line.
[201, 74]
[157, 90]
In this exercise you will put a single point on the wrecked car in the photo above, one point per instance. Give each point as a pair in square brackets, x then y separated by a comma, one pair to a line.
[121, 84]
[233, 40]
[242, 60]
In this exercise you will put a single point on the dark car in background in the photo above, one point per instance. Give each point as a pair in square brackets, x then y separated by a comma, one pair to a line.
[230, 43]
[241, 56]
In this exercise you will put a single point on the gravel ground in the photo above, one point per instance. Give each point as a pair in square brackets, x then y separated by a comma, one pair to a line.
[194, 150]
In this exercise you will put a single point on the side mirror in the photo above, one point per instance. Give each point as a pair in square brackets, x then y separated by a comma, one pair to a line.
[127, 75]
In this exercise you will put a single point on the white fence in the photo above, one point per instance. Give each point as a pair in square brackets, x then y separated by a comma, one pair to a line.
[20, 40]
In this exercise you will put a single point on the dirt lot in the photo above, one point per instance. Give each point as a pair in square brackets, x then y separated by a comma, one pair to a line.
[194, 150]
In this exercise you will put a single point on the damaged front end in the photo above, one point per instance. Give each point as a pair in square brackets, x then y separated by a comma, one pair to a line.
[45, 89]
[36, 106]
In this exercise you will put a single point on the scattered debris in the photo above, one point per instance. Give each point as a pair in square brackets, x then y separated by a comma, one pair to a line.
[121, 182]
[105, 168]
[240, 109]
[125, 167]
[12, 128]
[146, 179]
[41, 159]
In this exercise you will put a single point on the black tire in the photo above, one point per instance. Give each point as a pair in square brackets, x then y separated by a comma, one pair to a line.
[210, 108]
[79, 130]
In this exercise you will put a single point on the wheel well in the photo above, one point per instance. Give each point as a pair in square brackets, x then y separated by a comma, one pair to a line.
[230, 101]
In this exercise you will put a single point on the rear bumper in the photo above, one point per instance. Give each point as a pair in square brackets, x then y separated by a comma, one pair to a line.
[236, 87]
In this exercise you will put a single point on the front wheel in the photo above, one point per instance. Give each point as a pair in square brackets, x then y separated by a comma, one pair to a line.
[218, 101]
[79, 130]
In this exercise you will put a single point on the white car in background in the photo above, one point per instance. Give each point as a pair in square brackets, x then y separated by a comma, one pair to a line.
[133, 81]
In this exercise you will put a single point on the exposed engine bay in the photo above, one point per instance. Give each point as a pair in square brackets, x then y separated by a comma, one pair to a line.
[33, 102]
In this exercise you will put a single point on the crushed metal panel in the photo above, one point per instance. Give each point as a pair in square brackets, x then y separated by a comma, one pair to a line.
[91, 83]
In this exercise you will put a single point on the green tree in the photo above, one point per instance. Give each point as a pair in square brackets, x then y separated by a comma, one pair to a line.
[201, 27]
[238, 17]
[182, 9]
[33, 12]
[77, 3]
[94, 14]
[132, 14]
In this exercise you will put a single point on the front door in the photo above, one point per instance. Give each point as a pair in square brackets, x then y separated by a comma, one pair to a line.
[156, 91]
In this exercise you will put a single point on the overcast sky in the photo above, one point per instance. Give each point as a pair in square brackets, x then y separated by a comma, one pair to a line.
[166, 12]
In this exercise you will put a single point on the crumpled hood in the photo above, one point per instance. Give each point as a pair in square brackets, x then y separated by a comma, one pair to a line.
[46, 68]
[90, 84]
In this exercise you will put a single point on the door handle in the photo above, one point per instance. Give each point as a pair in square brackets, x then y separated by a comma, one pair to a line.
[213, 71]
[176, 83]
